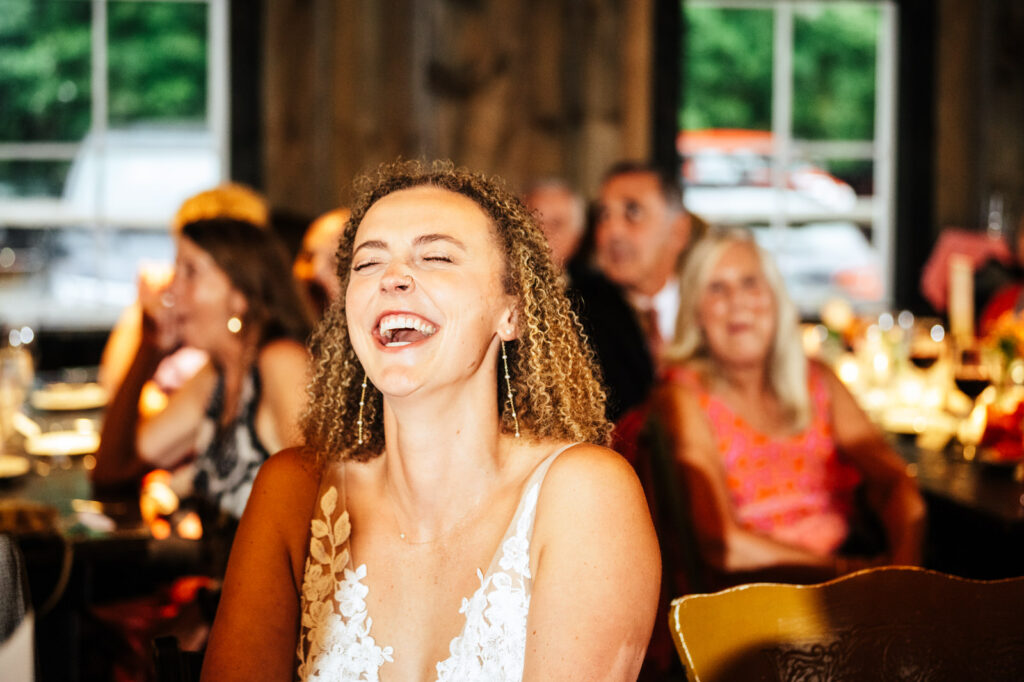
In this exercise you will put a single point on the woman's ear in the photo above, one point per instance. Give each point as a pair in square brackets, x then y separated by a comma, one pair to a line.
[237, 303]
[508, 326]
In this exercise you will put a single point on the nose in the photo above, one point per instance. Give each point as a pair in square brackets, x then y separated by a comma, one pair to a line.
[609, 226]
[396, 279]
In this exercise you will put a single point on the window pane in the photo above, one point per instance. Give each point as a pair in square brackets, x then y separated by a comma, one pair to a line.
[727, 72]
[141, 174]
[823, 260]
[834, 51]
[44, 70]
[157, 61]
[78, 278]
[32, 178]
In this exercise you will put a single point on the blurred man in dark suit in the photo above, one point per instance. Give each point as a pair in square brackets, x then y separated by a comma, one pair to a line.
[640, 233]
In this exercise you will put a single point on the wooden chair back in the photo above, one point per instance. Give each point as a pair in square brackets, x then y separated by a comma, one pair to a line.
[892, 623]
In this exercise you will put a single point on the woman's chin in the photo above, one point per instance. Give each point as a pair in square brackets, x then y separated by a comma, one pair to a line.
[743, 357]
[397, 383]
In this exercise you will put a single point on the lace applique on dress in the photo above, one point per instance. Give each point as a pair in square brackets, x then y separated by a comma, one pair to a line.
[492, 645]
[335, 641]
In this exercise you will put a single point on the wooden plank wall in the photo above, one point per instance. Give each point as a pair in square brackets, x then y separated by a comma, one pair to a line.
[524, 89]
[979, 146]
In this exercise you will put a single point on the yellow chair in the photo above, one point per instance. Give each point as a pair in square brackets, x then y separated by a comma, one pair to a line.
[891, 623]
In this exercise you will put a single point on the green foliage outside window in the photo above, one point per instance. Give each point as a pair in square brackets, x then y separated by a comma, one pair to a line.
[157, 62]
[156, 66]
[44, 70]
[834, 72]
[727, 69]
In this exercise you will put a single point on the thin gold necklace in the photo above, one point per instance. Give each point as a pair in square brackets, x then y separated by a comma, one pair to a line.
[401, 533]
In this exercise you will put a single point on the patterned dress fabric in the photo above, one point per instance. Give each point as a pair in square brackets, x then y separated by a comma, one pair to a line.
[230, 455]
[795, 489]
[336, 636]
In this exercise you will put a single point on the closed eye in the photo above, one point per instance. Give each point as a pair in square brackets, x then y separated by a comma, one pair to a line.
[363, 265]
[438, 259]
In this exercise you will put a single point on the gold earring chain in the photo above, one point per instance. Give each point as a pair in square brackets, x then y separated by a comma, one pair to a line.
[508, 384]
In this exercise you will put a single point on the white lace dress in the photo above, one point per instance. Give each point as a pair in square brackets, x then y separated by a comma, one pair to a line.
[336, 640]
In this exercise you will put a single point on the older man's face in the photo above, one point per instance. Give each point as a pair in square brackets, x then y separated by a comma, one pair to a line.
[638, 235]
[561, 219]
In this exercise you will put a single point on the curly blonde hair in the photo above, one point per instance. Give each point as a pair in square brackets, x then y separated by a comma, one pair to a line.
[554, 376]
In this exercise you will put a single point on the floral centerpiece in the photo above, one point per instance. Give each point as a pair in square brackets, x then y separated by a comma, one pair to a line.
[1004, 431]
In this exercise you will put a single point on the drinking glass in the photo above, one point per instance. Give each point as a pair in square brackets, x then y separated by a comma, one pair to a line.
[15, 380]
[972, 374]
[927, 342]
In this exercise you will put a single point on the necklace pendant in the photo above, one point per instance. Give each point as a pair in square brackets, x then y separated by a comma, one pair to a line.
[401, 535]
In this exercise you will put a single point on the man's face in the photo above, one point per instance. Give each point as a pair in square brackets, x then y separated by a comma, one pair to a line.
[561, 220]
[638, 235]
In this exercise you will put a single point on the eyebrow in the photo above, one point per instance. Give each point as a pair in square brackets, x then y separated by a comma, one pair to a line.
[418, 241]
[371, 244]
[438, 237]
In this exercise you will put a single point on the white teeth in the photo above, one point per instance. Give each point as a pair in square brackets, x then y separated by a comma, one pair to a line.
[390, 323]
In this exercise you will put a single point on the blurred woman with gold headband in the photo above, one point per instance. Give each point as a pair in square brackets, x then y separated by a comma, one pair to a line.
[228, 200]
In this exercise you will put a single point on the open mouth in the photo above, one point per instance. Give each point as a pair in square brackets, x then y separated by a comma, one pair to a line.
[394, 331]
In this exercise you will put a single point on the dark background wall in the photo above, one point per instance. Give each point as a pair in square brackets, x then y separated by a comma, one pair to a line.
[326, 89]
[521, 89]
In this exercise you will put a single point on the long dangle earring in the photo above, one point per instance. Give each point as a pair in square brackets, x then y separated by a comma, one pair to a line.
[508, 383]
[362, 401]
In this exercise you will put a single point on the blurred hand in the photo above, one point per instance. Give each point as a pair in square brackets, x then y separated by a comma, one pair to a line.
[159, 322]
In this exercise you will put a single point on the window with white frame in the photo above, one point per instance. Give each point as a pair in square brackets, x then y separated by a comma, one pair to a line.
[111, 113]
[786, 127]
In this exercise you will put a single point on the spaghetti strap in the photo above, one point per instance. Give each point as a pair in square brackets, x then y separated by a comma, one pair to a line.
[542, 469]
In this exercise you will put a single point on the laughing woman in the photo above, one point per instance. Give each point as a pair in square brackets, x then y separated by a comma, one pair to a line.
[452, 517]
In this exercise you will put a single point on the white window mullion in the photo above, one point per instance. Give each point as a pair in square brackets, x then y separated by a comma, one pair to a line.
[39, 151]
[218, 90]
[100, 112]
[884, 206]
[842, 149]
[782, 108]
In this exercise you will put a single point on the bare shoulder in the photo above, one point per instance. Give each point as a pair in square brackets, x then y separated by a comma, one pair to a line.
[586, 485]
[283, 358]
[596, 568]
[284, 494]
[290, 469]
[589, 466]
[843, 402]
[257, 622]
[825, 372]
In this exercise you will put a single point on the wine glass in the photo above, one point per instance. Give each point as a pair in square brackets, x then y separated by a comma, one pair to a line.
[972, 374]
[926, 344]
